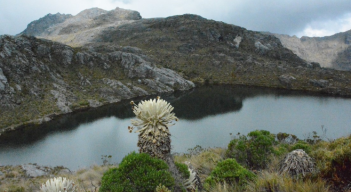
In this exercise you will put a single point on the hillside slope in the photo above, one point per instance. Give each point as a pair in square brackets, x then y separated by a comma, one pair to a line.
[40, 79]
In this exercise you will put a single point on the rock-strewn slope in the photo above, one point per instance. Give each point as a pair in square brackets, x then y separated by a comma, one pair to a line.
[41, 78]
[206, 51]
[332, 51]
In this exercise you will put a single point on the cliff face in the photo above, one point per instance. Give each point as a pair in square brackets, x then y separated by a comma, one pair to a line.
[332, 51]
[41, 78]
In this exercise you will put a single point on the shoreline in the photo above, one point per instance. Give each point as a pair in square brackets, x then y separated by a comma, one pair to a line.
[50, 117]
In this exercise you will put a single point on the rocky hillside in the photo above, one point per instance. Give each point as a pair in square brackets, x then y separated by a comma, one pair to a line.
[332, 51]
[107, 56]
[40, 79]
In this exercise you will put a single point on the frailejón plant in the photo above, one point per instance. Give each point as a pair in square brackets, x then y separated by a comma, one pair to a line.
[154, 117]
[59, 184]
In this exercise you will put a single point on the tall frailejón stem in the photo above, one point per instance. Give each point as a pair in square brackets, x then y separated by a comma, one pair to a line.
[154, 117]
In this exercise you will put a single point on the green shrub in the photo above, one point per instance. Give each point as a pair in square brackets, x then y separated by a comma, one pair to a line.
[183, 169]
[281, 149]
[333, 159]
[229, 171]
[137, 172]
[253, 150]
[301, 145]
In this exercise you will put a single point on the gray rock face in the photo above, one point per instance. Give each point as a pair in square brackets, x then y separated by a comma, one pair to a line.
[37, 27]
[286, 80]
[158, 79]
[61, 99]
[3, 80]
[331, 51]
[319, 83]
[81, 27]
[33, 170]
[53, 78]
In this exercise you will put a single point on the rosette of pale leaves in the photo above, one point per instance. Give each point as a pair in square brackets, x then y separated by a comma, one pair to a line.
[59, 184]
[154, 116]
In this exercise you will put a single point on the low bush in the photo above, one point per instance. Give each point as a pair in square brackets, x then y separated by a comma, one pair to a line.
[301, 145]
[334, 161]
[138, 172]
[183, 169]
[229, 171]
[253, 150]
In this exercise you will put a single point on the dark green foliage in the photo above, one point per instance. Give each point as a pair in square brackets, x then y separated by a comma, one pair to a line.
[137, 172]
[281, 149]
[230, 172]
[286, 138]
[301, 145]
[252, 150]
[183, 169]
[314, 138]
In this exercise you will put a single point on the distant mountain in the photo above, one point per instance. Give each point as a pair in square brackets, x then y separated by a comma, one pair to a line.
[81, 28]
[331, 51]
[98, 57]
[39, 26]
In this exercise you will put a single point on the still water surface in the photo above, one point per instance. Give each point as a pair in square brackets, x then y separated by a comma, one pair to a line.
[207, 117]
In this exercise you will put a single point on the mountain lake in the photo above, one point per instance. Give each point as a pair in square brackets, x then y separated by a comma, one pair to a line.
[208, 116]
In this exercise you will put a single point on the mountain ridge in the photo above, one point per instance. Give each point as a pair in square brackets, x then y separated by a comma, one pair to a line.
[330, 51]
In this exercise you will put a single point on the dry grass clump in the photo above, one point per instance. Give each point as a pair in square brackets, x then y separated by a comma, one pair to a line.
[15, 180]
[274, 182]
[334, 161]
[203, 162]
[224, 187]
[89, 179]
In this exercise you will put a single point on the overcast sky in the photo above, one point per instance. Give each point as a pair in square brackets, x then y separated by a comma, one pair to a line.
[292, 17]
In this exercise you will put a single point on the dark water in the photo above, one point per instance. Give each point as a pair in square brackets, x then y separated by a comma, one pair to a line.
[207, 117]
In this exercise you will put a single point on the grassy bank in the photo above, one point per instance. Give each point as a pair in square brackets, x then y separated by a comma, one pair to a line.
[332, 160]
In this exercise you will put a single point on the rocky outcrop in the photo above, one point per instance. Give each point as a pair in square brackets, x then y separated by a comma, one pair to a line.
[319, 83]
[331, 51]
[37, 27]
[81, 28]
[39, 78]
[286, 80]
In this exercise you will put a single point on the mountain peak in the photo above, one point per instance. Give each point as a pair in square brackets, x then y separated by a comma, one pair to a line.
[91, 13]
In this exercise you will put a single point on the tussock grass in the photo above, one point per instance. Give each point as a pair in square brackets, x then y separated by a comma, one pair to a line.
[203, 162]
[273, 181]
[14, 179]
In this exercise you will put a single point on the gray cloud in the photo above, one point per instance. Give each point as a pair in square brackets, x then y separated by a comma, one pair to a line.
[286, 17]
